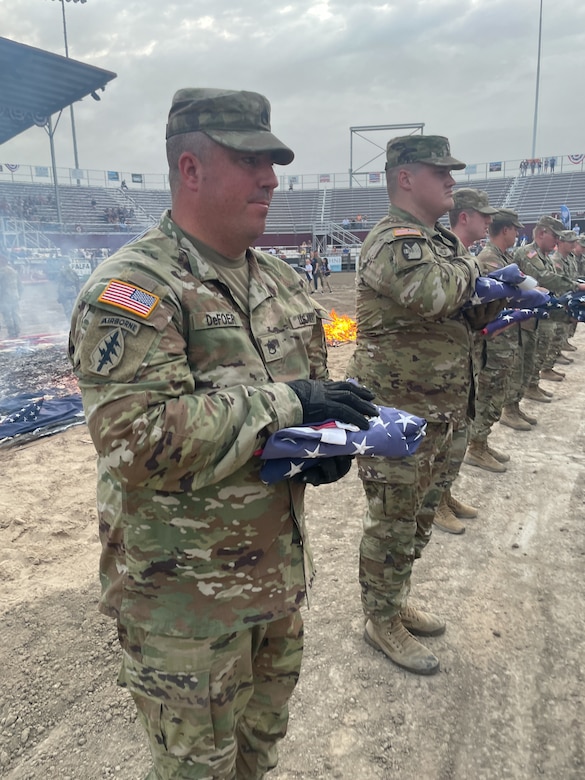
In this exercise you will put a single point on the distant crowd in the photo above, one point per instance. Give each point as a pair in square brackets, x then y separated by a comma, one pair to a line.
[25, 208]
[538, 165]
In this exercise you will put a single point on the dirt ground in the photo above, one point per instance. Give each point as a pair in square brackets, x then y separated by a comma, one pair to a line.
[507, 703]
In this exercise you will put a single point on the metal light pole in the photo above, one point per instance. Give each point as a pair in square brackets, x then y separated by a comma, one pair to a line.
[537, 84]
[74, 136]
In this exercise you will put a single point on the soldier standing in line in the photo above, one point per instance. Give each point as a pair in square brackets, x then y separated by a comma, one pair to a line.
[68, 287]
[564, 261]
[414, 278]
[10, 295]
[191, 349]
[469, 219]
[537, 336]
[500, 380]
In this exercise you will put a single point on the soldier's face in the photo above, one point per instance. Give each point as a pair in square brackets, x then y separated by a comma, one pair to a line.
[432, 189]
[548, 241]
[510, 234]
[236, 189]
[478, 224]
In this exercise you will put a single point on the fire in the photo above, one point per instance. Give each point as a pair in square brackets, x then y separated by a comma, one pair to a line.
[339, 330]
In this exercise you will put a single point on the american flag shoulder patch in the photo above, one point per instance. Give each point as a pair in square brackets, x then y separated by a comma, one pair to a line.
[129, 297]
[398, 232]
[531, 254]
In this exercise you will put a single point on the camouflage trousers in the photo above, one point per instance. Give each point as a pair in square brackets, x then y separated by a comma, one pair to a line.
[11, 317]
[530, 374]
[215, 708]
[402, 497]
[515, 385]
[502, 355]
[547, 346]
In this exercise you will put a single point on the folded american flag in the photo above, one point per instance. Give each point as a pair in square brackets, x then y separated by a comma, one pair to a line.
[393, 434]
[510, 316]
[573, 302]
[508, 282]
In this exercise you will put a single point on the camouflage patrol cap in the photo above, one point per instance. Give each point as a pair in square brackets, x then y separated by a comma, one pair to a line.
[507, 217]
[238, 120]
[477, 200]
[429, 149]
[568, 235]
[581, 239]
[550, 223]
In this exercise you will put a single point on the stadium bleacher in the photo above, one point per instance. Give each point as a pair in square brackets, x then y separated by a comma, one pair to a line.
[297, 213]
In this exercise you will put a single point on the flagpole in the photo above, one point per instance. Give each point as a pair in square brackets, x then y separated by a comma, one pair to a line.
[537, 84]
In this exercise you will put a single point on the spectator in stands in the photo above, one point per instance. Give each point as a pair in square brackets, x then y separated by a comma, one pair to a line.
[10, 294]
[124, 186]
[546, 164]
[345, 223]
[552, 162]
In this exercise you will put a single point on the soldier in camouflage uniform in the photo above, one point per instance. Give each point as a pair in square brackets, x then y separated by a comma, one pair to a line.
[414, 347]
[10, 294]
[500, 382]
[537, 335]
[191, 349]
[469, 219]
[579, 252]
[565, 262]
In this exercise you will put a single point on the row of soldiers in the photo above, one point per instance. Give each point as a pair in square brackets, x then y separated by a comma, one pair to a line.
[517, 358]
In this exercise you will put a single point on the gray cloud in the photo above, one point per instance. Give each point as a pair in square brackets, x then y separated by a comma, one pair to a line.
[464, 67]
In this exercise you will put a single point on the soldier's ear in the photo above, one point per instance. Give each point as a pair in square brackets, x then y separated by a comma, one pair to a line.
[190, 171]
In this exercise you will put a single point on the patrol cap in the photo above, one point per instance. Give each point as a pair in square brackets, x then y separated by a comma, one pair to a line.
[568, 235]
[507, 217]
[429, 149]
[468, 198]
[581, 239]
[550, 223]
[238, 120]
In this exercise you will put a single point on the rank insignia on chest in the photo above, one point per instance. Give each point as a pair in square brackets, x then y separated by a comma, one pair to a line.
[411, 250]
[129, 297]
[107, 353]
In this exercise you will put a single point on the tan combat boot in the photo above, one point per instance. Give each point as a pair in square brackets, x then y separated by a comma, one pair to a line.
[536, 393]
[564, 360]
[501, 457]
[478, 455]
[512, 419]
[400, 646]
[421, 623]
[568, 347]
[458, 508]
[521, 413]
[551, 375]
[445, 520]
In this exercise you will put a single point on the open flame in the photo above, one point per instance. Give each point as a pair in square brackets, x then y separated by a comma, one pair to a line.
[340, 330]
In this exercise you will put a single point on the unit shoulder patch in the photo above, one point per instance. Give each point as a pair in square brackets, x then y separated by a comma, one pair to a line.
[411, 250]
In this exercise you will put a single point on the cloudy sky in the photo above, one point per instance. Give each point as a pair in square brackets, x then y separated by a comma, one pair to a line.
[466, 68]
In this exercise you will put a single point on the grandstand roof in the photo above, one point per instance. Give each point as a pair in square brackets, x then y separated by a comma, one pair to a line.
[34, 84]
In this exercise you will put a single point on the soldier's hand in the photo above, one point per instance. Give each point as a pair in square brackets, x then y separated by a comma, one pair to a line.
[327, 470]
[343, 401]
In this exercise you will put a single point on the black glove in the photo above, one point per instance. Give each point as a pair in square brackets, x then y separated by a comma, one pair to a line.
[341, 401]
[479, 316]
[327, 470]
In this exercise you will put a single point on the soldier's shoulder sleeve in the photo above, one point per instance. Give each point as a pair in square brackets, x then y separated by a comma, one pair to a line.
[119, 319]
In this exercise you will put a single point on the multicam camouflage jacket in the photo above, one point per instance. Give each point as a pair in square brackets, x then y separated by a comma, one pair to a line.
[180, 388]
[491, 258]
[534, 262]
[414, 347]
